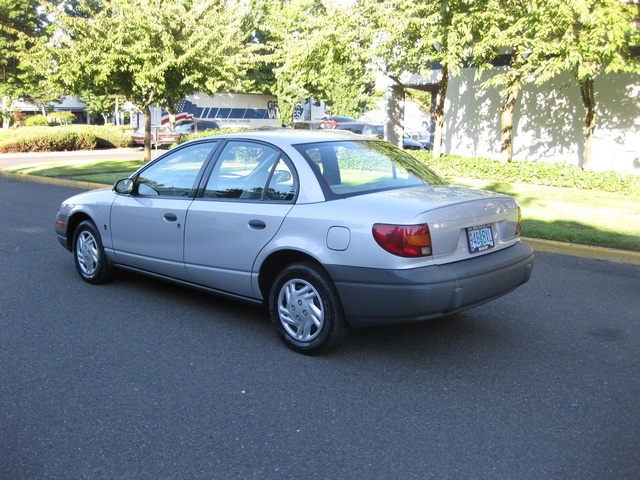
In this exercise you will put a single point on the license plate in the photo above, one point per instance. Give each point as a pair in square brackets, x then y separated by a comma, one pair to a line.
[480, 238]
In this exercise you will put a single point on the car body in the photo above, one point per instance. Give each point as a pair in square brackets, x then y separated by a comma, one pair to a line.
[377, 130]
[329, 230]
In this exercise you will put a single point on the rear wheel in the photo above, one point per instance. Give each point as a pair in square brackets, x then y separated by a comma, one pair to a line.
[88, 254]
[305, 310]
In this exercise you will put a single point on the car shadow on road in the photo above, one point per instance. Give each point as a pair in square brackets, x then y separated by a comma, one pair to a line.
[464, 335]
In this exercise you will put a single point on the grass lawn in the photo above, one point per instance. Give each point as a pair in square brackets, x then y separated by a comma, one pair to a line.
[590, 217]
[103, 171]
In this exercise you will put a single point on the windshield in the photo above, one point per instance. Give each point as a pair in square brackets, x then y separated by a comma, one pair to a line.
[354, 167]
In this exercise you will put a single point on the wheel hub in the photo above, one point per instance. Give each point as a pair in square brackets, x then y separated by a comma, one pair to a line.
[301, 310]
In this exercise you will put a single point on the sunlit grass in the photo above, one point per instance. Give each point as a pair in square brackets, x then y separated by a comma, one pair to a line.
[591, 217]
[89, 170]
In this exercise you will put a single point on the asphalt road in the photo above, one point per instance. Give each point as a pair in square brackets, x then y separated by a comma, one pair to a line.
[138, 379]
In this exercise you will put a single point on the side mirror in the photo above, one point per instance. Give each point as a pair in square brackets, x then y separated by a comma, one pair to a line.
[124, 186]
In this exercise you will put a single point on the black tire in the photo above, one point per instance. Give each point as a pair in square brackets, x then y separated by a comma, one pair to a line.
[305, 310]
[88, 254]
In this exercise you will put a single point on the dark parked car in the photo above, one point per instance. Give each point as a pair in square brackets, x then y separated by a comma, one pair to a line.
[376, 130]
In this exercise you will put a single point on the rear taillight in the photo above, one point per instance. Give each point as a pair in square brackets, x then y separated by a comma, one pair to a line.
[404, 240]
[519, 225]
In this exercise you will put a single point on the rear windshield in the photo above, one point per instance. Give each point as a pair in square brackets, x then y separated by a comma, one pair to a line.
[355, 166]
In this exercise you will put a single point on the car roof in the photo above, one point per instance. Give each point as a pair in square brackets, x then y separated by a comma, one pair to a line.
[293, 137]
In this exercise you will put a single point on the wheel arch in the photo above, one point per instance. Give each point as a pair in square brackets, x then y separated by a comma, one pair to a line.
[276, 261]
[72, 224]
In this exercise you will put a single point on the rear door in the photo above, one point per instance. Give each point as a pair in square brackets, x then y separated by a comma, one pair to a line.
[249, 193]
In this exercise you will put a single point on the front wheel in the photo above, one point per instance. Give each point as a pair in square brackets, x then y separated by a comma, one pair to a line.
[88, 254]
[305, 310]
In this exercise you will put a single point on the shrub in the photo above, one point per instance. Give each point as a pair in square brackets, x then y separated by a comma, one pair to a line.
[549, 174]
[19, 117]
[36, 121]
[63, 138]
[63, 117]
[110, 137]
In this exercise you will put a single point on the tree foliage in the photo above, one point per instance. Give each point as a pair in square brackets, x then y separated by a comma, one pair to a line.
[22, 26]
[156, 52]
[587, 38]
[150, 51]
[419, 37]
[317, 52]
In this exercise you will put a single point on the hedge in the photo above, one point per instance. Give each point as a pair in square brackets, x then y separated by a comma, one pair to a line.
[63, 138]
[538, 173]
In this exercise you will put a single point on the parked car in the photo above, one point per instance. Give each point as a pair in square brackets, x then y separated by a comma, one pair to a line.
[327, 123]
[376, 130]
[306, 125]
[327, 230]
[424, 137]
[368, 129]
[161, 136]
[194, 126]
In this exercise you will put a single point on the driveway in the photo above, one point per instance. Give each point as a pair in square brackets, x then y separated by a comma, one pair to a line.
[138, 379]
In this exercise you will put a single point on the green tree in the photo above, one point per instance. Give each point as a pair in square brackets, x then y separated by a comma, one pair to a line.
[318, 52]
[150, 51]
[587, 38]
[505, 27]
[419, 37]
[102, 105]
[22, 24]
[39, 75]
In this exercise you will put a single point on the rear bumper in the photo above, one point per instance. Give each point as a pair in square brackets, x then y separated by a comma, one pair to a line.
[373, 297]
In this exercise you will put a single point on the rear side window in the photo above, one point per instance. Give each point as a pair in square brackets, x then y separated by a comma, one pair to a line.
[354, 167]
[251, 171]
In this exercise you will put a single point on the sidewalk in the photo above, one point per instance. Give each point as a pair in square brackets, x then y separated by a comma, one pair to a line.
[15, 159]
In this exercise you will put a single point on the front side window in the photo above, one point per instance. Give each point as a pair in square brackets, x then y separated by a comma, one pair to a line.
[175, 173]
[251, 171]
[354, 167]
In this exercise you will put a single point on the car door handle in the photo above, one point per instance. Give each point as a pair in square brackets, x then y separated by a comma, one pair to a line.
[170, 217]
[257, 224]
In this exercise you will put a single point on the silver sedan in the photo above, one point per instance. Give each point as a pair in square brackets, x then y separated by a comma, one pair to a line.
[328, 230]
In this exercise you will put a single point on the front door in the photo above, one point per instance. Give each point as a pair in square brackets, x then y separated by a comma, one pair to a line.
[147, 227]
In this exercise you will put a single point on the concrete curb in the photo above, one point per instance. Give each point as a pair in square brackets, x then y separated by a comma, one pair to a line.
[585, 251]
[540, 245]
[52, 181]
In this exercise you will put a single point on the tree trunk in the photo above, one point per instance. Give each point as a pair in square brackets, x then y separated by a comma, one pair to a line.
[439, 115]
[147, 133]
[589, 102]
[117, 110]
[506, 126]
[5, 112]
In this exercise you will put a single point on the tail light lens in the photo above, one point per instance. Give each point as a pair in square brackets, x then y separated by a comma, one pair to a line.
[404, 240]
[519, 225]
